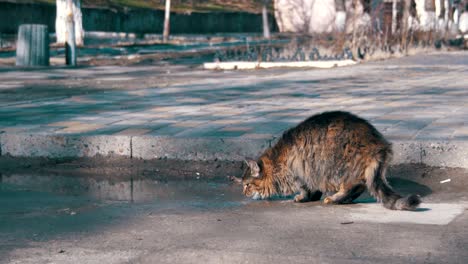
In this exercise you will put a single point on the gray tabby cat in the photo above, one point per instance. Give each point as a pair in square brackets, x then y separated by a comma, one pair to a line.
[329, 152]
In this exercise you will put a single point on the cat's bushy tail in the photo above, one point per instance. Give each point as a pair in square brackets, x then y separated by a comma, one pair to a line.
[379, 188]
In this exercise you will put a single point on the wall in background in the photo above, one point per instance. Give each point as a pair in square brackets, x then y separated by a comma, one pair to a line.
[134, 20]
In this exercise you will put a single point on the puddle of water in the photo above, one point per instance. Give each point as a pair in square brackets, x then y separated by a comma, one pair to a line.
[38, 207]
[157, 192]
[141, 190]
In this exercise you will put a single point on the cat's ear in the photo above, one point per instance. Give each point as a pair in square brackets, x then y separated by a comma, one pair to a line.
[254, 168]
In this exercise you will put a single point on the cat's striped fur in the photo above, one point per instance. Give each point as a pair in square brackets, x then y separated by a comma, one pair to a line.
[329, 152]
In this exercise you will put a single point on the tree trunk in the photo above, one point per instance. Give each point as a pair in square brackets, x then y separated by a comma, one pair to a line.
[448, 10]
[394, 16]
[70, 45]
[32, 48]
[340, 18]
[167, 21]
[65, 8]
[340, 5]
[266, 26]
[354, 40]
[405, 25]
[463, 17]
[429, 5]
[442, 9]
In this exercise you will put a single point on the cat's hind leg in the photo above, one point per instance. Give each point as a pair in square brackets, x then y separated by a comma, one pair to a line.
[345, 195]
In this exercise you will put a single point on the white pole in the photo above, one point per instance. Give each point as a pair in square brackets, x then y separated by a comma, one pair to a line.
[394, 16]
[266, 26]
[167, 21]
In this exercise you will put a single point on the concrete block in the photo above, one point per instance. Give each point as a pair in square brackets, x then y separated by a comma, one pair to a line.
[59, 146]
[147, 147]
[406, 152]
[431, 152]
[445, 153]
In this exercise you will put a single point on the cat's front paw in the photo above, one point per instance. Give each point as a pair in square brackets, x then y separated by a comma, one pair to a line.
[300, 199]
[328, 200]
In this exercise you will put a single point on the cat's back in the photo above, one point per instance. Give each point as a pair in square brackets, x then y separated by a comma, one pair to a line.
[334, 118]
[335, 128]
[327, 148]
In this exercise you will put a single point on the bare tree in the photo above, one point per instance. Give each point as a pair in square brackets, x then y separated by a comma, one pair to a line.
[462, 16]
[340, 5]
[266, 26]
[429, 5]
[394, 16]
[355, 30]
[405, 25]
[65, 9]
[340, 18]
[442, 9]
[448, 8]
[167, 21]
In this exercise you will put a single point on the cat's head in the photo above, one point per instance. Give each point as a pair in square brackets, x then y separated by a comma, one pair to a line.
[252, 181]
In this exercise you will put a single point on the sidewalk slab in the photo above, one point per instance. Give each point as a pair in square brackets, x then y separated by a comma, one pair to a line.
[418, 103]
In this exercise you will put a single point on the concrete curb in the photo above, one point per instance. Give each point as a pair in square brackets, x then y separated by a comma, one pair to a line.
[433, 153]
[60, 146]
[147, 147]
[440, 153]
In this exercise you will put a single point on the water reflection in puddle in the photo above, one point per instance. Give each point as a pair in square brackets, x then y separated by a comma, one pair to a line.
[141, 190]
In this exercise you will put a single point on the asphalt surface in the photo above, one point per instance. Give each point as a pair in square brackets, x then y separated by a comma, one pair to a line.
[200, 218]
